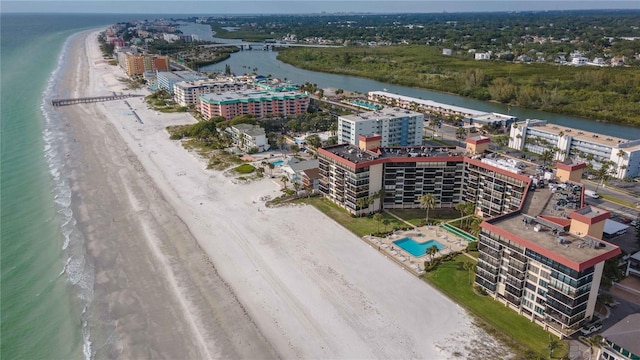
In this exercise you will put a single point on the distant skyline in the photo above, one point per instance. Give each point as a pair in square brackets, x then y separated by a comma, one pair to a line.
[214, 7]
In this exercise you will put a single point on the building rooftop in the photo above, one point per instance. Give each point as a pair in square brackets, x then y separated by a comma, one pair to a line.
[625, 333]
[353, 154]
[431, 104]
[182, 75]
[543, 223]
[579, 134]
[249, 95]
[251, 130]
[490, 118]
[206, 82]
[382, 114]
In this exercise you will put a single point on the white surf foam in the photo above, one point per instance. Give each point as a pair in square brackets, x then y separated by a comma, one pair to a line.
[77, 268]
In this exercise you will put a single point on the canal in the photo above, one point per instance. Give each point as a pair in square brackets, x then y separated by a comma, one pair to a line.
[267, 64]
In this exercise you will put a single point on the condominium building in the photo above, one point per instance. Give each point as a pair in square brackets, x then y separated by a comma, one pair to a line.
[137, 64]
[404, 174]
[258, 103]
[247, 137]
[468, 116]
[538, 136]
[166, 80]
[541, 251]
[545, 261]
[397, 127]
[188, 92]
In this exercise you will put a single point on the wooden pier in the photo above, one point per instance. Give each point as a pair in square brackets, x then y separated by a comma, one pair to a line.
[64, 102]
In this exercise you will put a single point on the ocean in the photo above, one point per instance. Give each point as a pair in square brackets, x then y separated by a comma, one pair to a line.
[46, 283]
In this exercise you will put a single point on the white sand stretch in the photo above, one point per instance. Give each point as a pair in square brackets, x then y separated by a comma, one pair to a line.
[313, 289]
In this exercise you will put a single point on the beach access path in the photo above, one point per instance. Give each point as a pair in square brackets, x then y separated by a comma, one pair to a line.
[187, 267]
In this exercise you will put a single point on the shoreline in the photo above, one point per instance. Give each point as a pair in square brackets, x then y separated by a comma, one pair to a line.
[187, 267]
[620, 122]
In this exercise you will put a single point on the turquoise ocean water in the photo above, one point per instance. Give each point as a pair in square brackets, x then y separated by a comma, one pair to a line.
[46, 283]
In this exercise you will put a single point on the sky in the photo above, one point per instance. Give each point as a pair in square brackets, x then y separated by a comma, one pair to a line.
[213, 7]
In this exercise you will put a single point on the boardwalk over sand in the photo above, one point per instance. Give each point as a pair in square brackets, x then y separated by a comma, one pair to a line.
[63, 102]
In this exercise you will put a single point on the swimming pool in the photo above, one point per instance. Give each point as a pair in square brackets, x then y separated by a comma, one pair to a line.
[277, 162]
[415, 248]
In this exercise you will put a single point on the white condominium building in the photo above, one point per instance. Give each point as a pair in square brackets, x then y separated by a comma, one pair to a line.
[247, 136]
[398, 127]
[538, 136]
[468, 116]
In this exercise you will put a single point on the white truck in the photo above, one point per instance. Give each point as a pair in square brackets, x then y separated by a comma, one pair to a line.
[592, 194]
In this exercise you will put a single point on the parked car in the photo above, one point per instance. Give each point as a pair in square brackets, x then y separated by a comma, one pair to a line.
[590, 328]
[592, 194]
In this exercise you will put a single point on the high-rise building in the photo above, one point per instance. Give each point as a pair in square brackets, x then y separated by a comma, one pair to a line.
[541, 248]
[397, 127]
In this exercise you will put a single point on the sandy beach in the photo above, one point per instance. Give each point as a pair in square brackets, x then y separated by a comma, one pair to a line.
[187, 267]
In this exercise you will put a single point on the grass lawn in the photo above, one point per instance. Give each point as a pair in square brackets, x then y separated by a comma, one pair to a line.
[244, 169]
[418, 216]
[360, 226]
[618, 201]
[451, 278]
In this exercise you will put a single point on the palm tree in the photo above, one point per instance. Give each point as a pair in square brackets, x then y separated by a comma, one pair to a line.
[475, 226]
[604, 173]
[378, 217]
[380, 195]
[428, 201]
[468, 266]
[432, 251]
[621, 155]
[594, 342]
[469, 209]
[386, 223]
[461, 133]
[284, 180]
[296, 186]
[361, 203]
[546, 155]
[461, 207]
[553, 344]
[271, 167]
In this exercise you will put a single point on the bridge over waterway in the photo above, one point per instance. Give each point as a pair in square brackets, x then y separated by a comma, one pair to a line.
[63, 102]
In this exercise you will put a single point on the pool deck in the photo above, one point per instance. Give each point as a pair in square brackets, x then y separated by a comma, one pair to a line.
[407, 261]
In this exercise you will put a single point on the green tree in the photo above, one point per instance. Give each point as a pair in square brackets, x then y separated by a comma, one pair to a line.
[470, 268]
[313, 140]
[378, 217]
[604, 173]
[432, 251]
[594, 342]
[461, 133]
[461, 207]
[284, 180]
[554, 343]
[386, 223]
[427, 201]
[361, 203]
[281, 141]
[475, 226]
[380, 196]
